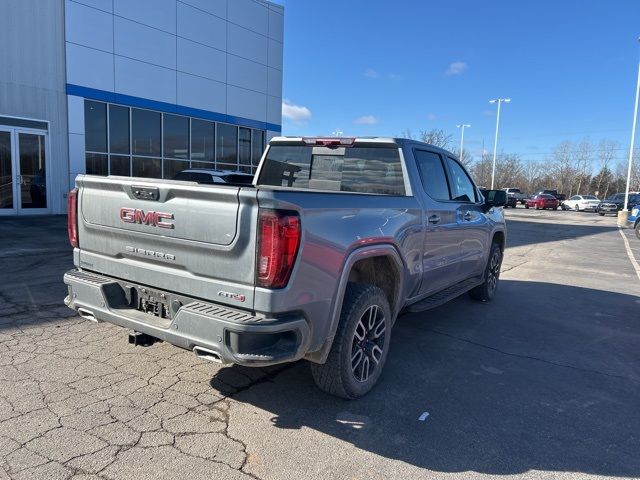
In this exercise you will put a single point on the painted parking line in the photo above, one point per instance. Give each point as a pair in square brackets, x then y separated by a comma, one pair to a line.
[630, 253]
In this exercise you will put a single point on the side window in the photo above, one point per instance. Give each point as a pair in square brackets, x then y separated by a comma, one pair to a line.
[434, 180]
[575, 197]
[461, 185]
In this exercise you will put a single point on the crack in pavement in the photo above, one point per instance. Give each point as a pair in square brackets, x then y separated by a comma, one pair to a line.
[531, 357]
[77, 399]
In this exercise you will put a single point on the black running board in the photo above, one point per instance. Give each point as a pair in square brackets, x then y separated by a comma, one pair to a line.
[443, 296]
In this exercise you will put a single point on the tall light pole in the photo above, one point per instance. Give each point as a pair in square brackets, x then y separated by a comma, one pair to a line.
[495, 142]
[462, 126]
[633, 139]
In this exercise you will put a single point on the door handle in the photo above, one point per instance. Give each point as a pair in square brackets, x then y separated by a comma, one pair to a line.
[434, 219]
[467, 216]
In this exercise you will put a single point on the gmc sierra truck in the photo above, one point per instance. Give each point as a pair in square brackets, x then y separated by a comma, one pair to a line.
[514, 196]
[315, 260]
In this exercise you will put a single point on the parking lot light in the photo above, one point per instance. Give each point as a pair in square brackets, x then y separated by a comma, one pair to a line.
[623, 214]
[462, 126]
[499, 101]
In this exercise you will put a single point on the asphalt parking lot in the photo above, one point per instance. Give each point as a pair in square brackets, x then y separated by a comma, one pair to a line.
[542, 383]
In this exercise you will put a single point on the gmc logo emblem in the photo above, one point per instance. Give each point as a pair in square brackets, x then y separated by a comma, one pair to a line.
[154, 219]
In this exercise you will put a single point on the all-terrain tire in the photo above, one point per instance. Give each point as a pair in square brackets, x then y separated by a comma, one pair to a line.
[337, 375]
[486, 291]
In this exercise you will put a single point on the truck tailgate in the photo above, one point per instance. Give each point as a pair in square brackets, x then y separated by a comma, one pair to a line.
[177, 236]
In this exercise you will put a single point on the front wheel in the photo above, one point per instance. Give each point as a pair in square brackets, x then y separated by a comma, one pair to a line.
[555, 208]
[526, 206]
[361, 344]
[601, 214]
[577, 207]
[487, 290]
[638, 230]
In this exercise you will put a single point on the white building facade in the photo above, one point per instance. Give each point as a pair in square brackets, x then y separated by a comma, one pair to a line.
[142, 88]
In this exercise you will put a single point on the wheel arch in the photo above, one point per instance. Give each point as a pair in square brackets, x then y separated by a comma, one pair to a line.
[500, 238]
[380, 265]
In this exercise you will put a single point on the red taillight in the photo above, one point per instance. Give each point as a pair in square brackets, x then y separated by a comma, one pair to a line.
[278, 241]
[72, 217]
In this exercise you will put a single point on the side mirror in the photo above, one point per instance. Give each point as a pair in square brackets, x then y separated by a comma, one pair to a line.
[494, 198]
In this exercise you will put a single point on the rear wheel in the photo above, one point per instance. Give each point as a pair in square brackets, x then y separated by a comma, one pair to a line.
[487, 290]
[555, 208]
[361, 344]
[601, 214]
[526, 206]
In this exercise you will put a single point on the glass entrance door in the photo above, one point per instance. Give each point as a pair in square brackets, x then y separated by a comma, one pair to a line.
[32, 170]
[23, 172]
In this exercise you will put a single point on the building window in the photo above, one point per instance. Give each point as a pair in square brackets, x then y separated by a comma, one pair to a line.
[203, 141]
[143, 143]
[244, 149]
[170, 168]
[227, 147]
[146, 167]
[120, 165]
[119, 130]
[95, 129]
[97, 164]
[175, 134]
[257, 147]
[146, 132]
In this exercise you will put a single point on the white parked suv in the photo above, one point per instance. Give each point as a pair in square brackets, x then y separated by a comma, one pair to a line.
[581, 202]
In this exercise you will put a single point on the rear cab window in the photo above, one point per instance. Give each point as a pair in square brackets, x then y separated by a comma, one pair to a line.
[372, 170]
[432, 174]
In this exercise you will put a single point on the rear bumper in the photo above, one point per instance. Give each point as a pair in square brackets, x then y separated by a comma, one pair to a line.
[607, 209]
[231, 335]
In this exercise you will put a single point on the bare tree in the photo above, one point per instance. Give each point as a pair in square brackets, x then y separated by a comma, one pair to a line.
[481, 170]
[606, 152]
[532, 171]
[562, 166]
[437, 137]
[582, 159]
[466, 159]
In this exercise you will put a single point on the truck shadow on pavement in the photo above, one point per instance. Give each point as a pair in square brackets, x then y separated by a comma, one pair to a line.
[545, 378]
[531, 232]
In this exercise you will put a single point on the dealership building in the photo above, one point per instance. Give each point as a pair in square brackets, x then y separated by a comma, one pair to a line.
[142, 88]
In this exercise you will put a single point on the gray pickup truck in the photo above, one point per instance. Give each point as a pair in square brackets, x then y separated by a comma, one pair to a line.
[315, 260]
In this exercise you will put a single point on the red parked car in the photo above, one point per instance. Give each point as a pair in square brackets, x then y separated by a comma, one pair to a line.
[542, 201]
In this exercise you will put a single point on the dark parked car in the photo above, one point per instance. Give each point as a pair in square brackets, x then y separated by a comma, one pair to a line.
[615, 203]
[511, 201]
[561, 197]
[542, 201]
[211, 176]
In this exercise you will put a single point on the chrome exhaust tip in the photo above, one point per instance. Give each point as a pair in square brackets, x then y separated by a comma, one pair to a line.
[87, 315]
[207, 354]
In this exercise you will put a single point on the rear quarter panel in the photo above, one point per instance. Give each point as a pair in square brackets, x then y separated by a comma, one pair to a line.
[333, 226]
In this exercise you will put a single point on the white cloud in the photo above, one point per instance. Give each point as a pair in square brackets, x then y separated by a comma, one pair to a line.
[371, 73]
[393, 76]
[296, 113]
[366, 120]
[432, 116]
[456, 68]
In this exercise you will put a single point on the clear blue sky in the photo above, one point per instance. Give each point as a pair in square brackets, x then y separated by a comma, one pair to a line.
[380, 67]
